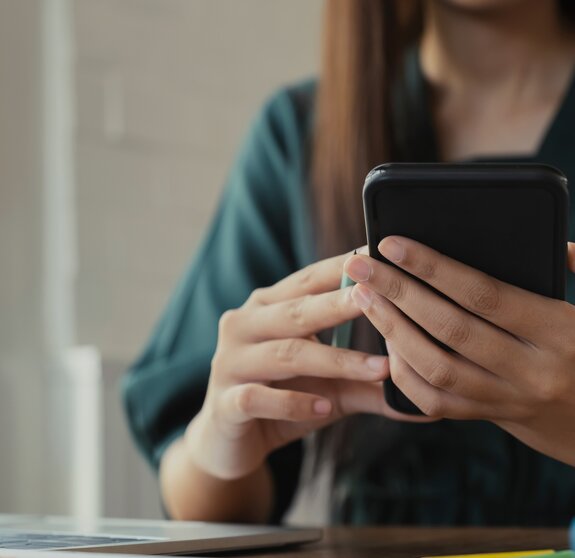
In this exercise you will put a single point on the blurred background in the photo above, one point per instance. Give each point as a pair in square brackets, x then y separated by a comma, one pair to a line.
[119, 120]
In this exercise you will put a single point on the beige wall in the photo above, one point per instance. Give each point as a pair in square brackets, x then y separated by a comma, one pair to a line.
[22, 336]
[161, 92]
[165, 90]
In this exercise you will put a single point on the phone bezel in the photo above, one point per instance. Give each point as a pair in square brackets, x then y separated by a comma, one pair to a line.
[461, 175]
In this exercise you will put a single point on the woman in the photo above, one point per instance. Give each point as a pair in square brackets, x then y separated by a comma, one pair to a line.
[221, 398]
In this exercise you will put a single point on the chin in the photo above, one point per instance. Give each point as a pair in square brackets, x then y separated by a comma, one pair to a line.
[483, 5]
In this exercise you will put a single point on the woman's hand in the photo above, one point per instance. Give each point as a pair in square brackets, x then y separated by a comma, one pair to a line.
[514, 351]
[272, 382]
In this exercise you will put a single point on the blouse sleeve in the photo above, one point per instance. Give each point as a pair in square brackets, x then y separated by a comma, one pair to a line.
[249, 245]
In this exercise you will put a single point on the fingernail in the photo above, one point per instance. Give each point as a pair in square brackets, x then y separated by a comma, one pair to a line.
[322, 407]
[358, 269]
[362, 297]
[392, 249]
[376, 363]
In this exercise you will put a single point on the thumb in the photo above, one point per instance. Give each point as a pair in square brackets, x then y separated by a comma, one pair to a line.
[571, 256]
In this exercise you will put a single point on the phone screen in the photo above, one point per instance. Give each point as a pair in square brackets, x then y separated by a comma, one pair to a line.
[486, 227]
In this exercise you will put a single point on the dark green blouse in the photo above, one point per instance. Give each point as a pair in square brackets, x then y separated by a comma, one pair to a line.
[443, 473]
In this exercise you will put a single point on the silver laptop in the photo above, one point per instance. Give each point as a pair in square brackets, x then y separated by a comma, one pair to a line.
[131, 536]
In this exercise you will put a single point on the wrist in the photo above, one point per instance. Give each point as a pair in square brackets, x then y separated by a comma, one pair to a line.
[195, 445]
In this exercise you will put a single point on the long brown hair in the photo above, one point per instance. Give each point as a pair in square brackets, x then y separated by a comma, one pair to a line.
[364, 43]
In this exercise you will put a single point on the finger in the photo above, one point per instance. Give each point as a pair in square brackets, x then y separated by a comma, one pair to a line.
[511, 308]
[299, 317]
[470, 336]
[436, 366]
[350, 397]
[246, 402]
[283, 359]
[319, 277]
[571, 256]
[363, 397]
[432, 402]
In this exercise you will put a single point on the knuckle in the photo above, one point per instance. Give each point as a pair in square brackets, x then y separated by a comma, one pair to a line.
[427, 270]
[442, 375]
[290, 406]
[296, 310]
[394, 289]
[245, 400]
[455, 332]
[340, 360]
[385, 327]
[341, 407]
[288, 349]
[483, 297]
[216, 364]
[258, 296]
[517, 411]
[336, 301]
[227, 364]
[432, 406]
[306, 275]
[551, 388]
[396, 375]
[228, 321]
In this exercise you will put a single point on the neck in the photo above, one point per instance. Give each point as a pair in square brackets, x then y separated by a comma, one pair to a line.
[481, 46]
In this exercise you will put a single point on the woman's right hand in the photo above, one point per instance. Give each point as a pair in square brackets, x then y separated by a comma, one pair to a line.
[273, 382]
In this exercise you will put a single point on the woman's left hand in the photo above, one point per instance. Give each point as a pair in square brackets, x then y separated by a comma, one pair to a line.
[513, 359]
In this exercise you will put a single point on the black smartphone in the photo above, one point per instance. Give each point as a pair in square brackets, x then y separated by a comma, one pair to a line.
[507, 220]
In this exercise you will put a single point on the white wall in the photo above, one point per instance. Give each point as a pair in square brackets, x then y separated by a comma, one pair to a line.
[22, 340]
[165, 91]
[35, 123]
[162, 93]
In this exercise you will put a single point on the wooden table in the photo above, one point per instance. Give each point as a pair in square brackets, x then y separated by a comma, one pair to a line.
[405, 542]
